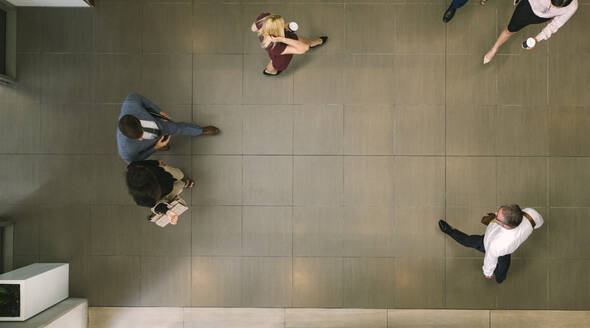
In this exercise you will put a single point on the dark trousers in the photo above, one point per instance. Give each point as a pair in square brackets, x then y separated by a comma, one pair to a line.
[456, 4]
[476, 241]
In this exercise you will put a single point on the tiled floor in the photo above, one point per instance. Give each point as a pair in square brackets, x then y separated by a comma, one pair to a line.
[325, 186]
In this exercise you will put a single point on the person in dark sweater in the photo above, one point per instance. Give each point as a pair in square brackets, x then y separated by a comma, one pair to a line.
[153, 183]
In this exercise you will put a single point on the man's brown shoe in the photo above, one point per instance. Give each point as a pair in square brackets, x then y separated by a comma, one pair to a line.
[210, 130]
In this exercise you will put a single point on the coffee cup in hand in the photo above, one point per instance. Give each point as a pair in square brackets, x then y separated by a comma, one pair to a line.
[293, 26]
[529, 43]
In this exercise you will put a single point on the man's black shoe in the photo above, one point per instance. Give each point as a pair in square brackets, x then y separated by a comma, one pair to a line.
[444, 226]
[449, 14]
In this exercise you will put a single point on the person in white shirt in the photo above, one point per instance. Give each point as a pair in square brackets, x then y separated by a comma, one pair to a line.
[503, 236]
[535, 12]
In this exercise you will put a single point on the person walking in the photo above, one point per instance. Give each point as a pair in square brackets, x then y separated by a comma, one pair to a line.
[535, 12]
[144, 128]
[456, 4]
[506, 231]
[280, 42]
[154, 184]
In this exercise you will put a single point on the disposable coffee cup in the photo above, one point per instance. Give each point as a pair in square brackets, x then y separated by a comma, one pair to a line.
[293, 26]
[529, 43]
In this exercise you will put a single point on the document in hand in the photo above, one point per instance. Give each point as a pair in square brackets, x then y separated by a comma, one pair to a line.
[163, 220]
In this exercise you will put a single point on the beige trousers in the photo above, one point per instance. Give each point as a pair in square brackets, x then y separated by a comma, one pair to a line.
[178, 184]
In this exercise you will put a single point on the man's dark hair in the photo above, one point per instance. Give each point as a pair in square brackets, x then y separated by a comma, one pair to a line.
[130, 127]
[512, 215]
[143, 185]
[561, 3]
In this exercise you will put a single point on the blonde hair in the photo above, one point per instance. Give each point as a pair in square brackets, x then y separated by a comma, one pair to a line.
[272, 25]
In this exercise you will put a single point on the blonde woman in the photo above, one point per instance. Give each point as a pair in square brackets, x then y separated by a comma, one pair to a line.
[280, 42]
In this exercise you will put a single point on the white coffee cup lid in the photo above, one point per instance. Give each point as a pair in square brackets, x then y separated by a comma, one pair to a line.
[530, 42]
[293, 26]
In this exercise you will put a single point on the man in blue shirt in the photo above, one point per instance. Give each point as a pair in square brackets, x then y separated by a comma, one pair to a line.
[145, 128]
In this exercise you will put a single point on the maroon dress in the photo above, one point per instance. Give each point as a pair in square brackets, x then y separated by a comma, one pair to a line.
[274, 50]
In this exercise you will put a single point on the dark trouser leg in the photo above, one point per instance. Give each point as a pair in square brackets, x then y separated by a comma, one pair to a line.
[502, 268]
[181, 128]
[472, 241]
[456, 4]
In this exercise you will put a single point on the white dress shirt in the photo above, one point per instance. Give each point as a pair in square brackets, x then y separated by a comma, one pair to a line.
[499, 241]
[543, 8]
[151, 125]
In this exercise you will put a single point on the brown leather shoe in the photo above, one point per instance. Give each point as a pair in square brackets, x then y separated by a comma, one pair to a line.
[210, 130]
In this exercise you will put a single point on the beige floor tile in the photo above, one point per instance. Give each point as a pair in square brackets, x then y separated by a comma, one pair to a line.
[525, 286]
[471, 182]
[267, 281]
[216, 281]
[369, 282]
[118, 27]
[417, 79]
[418, 237]
[165, 281]
[473, 30]
[218, 180]
[268, 130]
[368, 129]
[568, 228]
[167, 79]
[368, 181]
[229, 119]
[419, 181]
[569, 284]
[566, 80]
[261, 89]
[369, 79]
[116, 77]
[522, 180]
[368, 231]
[216, 230]
[419, 282]
[213, 35]
[415, 30]
[468, 81]
[268, 180]
[429, 139]
[135, 317]
[438, 318]
[345, 318]
[471, 130]
[540, 319]
[526, 130]
[318, 130]
[568, 181]
[218, 79]
[166, 27]
[238, 318]
[365, 24]
[523, 80]
[317, 231]
[466, 287]
[312, 18]
[319, 79]
[568, 126]
[317, 281]
[317, 181]
[267, 231]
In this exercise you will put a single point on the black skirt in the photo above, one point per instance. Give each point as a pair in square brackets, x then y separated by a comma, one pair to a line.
[523, 16]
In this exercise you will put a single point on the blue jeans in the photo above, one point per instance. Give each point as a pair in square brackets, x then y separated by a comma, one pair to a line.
[476, 241]
[456, 4]
[181, 128]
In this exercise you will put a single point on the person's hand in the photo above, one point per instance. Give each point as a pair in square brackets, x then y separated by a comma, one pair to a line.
[165, 115]
[161, 144]
[173, 217]
[489, 277]
[161, 162]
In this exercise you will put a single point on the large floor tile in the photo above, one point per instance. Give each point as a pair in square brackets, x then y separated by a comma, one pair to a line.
[167, 79]
[214, 35]
[229, 119]
[67, 30]
[166, 27]
[116, 229]
[165, 281]
[428, 139]
[268, 130]
[114, 280]
[20, 178]
[228, 317]
[216, 281]
[29, 76]
[257, 86]
[172, 239]
[217, 230]
[20, 128]
[368, 130]
[368, 181]
[313, 17]
[267, 281]
[219, 180]
[522, 180]
[369, 282]
[369, 79]
[569, 284]
[471, 182]
[345, 318]
[570, 40]
[135, 317]
[419, 181]
[118, 27]
[473, 30]
[317, 181]
[268, 180]
[518, 88]
[566, 78]
[218, 79]
[466, 287]
[318, 130]
[67, 78]
[526, 130]
[525, 286]
[568, 184]
[267, 231]
[64, 235]
[540, 319]
[116, 77]
[28, 29]
[418, 237]
[317, 231]
[319, 79]
[365, 24]
[469, 82]
[368, 231]
[417, 79]
[438, 318]
[415, 31]
[317, 281]
[568, 126]
[470, 130]
[419, 282]
[568, 228]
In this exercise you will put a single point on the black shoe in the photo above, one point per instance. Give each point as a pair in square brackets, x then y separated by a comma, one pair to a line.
[324, 40]
[444, 226]
[449, 14]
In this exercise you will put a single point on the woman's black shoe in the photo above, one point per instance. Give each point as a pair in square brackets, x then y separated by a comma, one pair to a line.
[449, 14]
[324, 40]
[268, 74]
[444, 226]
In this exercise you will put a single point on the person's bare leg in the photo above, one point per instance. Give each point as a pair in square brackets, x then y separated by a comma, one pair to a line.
[504, 36]
[311, 43]
[270, 69]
